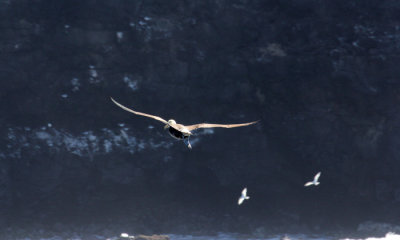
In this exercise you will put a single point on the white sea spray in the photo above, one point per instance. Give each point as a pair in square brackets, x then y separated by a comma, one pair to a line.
[84, 144]
[388, 236]
[132, 83]
[120, 35]
[76, 84]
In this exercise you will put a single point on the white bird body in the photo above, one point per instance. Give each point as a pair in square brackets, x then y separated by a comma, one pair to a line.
[315, 181]
[181, 128]
[243, 196]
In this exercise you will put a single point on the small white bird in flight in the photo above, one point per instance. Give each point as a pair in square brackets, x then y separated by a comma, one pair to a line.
[243, 196]
[315, 181]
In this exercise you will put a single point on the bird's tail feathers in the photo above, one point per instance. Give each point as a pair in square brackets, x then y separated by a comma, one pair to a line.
[316, 183]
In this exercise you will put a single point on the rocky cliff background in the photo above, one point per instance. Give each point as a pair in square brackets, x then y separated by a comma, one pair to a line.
[322, 77]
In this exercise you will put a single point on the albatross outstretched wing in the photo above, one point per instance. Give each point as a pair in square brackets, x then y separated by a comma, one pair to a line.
[139, 113]
[211, 125]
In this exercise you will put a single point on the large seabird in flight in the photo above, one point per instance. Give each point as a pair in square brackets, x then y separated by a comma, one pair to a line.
[180, 131]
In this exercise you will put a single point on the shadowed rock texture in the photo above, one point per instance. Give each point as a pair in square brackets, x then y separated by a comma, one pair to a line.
[322, 76]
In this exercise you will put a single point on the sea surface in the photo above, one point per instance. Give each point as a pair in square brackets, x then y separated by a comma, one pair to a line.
[388, 236]
[220, 236]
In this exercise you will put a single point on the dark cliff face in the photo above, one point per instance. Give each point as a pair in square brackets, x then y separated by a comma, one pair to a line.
[322, 77]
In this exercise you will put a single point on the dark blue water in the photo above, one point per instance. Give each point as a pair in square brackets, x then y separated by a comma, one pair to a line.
[321, 77]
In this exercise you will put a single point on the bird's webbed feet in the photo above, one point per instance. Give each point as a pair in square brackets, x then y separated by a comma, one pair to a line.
[186, 141]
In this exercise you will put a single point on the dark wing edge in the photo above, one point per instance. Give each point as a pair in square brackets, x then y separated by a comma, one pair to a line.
[138, 113]
[211, 125]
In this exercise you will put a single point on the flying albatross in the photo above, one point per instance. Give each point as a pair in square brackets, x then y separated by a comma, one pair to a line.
[180, 131]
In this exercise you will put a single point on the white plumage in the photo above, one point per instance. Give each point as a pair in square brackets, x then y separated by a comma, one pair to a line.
[315, 181]
[243, 196]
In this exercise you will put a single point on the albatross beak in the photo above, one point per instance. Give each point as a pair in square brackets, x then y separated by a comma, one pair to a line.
[166, 126]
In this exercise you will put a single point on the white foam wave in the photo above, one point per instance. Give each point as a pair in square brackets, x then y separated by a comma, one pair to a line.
[85, 144]
[388, 236]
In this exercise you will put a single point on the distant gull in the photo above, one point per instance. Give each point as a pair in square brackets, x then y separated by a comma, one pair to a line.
[315, 181]
[243, 196]
[180, 131]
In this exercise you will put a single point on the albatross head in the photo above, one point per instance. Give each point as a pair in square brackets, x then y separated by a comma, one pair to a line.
[170, 122]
